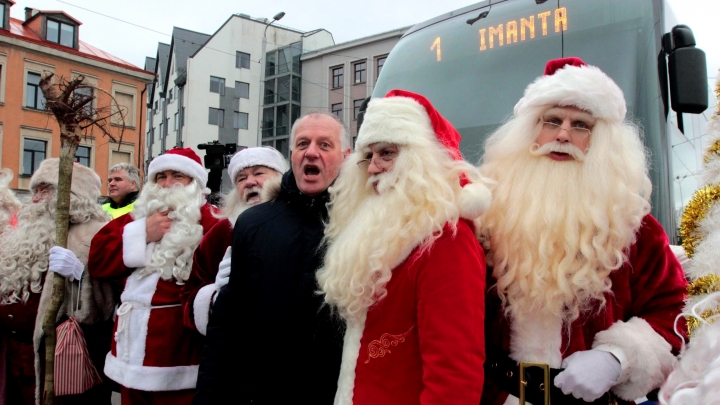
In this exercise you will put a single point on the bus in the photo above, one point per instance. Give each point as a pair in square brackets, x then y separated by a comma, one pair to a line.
[475, 63]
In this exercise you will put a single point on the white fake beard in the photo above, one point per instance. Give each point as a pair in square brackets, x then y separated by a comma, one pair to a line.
[25, 251]
[172, 256]
[558, 229]
[370, 234]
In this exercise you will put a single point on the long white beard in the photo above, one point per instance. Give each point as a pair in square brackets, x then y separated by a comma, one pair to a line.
[25, 252]
[558, 229]
[172, 256]
[368, 235]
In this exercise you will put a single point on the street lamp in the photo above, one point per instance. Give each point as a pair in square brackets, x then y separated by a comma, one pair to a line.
[277, 17]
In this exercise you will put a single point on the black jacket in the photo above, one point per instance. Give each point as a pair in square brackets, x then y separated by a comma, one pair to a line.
[269, 339]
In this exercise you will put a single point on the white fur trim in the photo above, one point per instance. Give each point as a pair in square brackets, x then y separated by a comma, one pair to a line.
[179, 163]
[513, 400]
[398, 120]
[585, 87]
[474, 200]
[649, 356]
[138, 293]
[351, 351]
[146, 378]
[258, 156]
[538, 338]
[135, 244]
[201, 307]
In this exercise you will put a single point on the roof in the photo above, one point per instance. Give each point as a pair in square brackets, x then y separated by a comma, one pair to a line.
[150, 64]
[22, 32]
[186, 43]
[163, 56]
[39, 12]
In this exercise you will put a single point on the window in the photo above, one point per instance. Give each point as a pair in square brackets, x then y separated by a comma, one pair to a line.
[380, 64]
[242, 90]
[33, 95]
[160, 132]
[82, 155]
[360, 72]
[86, 91]
[126, 104]
[242, 60]
[240, 120]
[217, 85]
[33, 154]
[177, 122]
[170, 97]
[356, 105]
[337, 110]
[337, 77]
[167, 127]
[216, 117]
[60, 33]
[2, 15]
[270, 59]
[156, 106]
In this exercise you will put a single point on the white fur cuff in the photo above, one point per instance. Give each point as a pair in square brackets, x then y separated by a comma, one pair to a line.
[201, 307]
[648, 356]
[146, 378]
[134, 244]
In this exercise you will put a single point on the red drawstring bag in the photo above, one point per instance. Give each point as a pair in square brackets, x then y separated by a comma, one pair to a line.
[74, 371]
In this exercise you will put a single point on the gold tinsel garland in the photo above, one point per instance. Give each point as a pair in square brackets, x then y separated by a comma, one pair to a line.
[694, 213]
[713, 151]
[693, 323]
[704, 285]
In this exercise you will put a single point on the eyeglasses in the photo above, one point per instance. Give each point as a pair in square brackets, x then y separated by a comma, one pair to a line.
[576, 133]
[382, 162]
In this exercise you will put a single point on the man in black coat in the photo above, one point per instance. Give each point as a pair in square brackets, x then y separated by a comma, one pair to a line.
[269, 339]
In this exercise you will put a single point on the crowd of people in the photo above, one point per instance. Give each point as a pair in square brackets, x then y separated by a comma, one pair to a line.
[391, 272]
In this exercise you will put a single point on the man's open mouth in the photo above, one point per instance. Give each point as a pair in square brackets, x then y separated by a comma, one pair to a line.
[252, 195]
[311, 171]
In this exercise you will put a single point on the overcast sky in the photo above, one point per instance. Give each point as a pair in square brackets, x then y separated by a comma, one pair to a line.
[344, 19]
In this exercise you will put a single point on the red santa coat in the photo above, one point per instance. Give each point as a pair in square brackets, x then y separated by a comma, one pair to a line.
[647, 294]
[424, 342]
[199, 289]
[152, 350]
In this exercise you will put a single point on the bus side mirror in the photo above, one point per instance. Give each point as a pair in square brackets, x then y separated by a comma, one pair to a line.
[687, 71]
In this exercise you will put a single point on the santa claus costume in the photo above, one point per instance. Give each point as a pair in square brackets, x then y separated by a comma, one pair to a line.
[582, 272]
[402, 265]
[200, 289]
[154, 357]
[26, 292]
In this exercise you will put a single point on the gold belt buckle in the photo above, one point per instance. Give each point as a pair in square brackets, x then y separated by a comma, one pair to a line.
[544, 386]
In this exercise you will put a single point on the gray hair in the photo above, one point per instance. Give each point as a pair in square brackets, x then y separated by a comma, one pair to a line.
[133, 173]
[344, 139]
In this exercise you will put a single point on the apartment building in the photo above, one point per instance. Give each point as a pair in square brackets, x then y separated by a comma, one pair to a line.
[51, 41]
[338, 78]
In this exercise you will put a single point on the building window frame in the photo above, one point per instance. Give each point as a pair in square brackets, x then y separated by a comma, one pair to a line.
[36, 156]
[359, 72]
[80, 157]
[356, 108]
[216, 116]
[242, 60]
[242, 90]
[337, 75]
[337, 109]
[59, 37]
[379, 63]
[239, 118]
[217, 85]
[38, 98]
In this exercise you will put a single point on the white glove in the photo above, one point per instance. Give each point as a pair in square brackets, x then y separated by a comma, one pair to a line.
[588, 374]
[223, 275]
[65, 263]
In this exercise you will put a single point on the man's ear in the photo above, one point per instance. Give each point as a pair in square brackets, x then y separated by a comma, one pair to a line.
[347, 152]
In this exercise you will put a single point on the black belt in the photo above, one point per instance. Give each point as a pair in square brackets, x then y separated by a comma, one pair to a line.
[505, 373]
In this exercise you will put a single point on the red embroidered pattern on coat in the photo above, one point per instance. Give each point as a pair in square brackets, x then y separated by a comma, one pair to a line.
[380, 347]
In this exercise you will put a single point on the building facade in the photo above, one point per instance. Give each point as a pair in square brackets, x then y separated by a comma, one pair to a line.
[49, 41]
[339, 78]
[208, 87]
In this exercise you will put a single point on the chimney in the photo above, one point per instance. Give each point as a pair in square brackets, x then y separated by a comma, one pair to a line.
[30, 13]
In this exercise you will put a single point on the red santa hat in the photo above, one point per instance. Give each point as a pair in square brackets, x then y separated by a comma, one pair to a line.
[258, 156]
[571, 82]
[406, 118]
[85, 182]
[183, 160]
